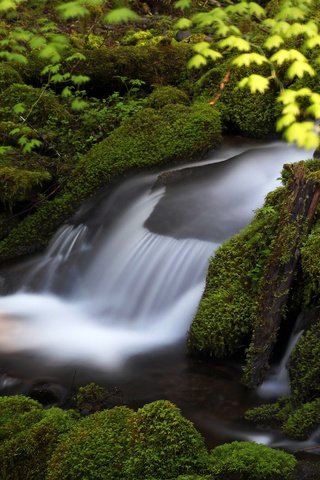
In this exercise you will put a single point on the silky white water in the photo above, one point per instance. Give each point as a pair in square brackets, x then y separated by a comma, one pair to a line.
[110, 287]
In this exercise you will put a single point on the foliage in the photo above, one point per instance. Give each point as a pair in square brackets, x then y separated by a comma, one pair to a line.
[25, 454]
[249, 461]
[303, 421]
[225, 316]
[311, 266]
[291, 22]
[92, 398]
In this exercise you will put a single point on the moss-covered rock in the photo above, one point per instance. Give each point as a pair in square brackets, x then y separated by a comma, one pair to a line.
[166, 96]
[311, 266]
[164, 444]
[303, 421]
[249, 461]
[17, 414]
[245, 113]
[270, 414]
[148, 139]
[304, 366]
[17, 185]
[226, 313]
[8, 76]
[25, 455]
[156, 442]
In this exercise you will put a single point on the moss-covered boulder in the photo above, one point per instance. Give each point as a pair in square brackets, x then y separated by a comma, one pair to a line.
[166, 96]
[150, 138]
[17, 414]
[154, 443]
[270, 414]
[8, 76]
[250, 461]
[303, 421]
[25, 455]
[226, 313]
[245, 113]
[304, 366]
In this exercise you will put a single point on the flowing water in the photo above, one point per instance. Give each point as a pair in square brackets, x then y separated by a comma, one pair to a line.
[112, 298]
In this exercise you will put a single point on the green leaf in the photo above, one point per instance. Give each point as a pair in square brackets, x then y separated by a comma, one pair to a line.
[281, 57]
[256, 83]
[78, 104]
[4, 150]
[256, 10]
[313, 42]
[37, 42]
[285, 121]
[183, 4]
[299, 69]
[121, 15]
[273, 42]
[291, 13]
[247, 59]
[235, 42]
[19, 108]
[80, 79]
[66, 92]
[72, 10]
[303, 134]
[197, 61]
[76, 56]
[30, 145]
[7, 5]
[183, 24]
[314, 110]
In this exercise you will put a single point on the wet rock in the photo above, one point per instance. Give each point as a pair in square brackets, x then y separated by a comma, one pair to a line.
[182, 35]
[308, 470]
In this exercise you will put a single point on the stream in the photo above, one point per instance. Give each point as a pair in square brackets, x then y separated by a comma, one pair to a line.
[113, 296]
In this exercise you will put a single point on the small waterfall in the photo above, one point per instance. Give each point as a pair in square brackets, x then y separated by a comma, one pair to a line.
[278, 384]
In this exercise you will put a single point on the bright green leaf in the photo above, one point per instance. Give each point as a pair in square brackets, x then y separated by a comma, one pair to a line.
[299, 69]
[72, 10]
[121, 15]
[197, 61]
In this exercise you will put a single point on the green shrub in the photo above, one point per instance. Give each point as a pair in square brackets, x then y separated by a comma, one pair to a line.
[250, 461]
[8, 76]
[164, 444]
[311, 266]
[148, 139]
[304, 365]
[25, 455]
[226, 312]
[166, 95]
[303, 421]
[17, 414]
[92, 398]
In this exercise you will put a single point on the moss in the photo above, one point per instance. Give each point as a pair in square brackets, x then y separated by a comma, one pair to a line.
[93, 398]
[8, 76]
[226, 313]
[311, 266]
[96, 448]
[17, 414]
[156, 442]
[250, 114]
[271, 414]
[148, 139]
[39, 106]
[164, 444]
[303, 421]
[20, 185]
[167, 96]
[304, 366]
[26, 454]
[249, 461]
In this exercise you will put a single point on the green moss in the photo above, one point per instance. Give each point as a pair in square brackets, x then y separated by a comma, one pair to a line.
[148, 139]
[8, 76]
[17, 414]
[311, 266]
[164, 444]
[20, 185]
[250, 114]
[25, 455]
[154, 443]
[96, 448]
[303, 421]
[304, 366]
[92, 398]
[249, 461]
[270, 414]
[167, 96]
[226, 313]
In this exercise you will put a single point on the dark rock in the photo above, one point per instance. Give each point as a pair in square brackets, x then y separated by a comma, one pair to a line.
[182, 35]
